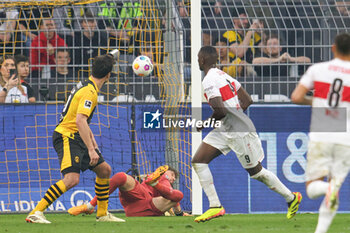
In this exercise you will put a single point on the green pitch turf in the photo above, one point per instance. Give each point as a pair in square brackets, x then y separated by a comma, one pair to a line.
[252, 223]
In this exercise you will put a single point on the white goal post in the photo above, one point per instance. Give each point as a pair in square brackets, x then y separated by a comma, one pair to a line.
[196, 98]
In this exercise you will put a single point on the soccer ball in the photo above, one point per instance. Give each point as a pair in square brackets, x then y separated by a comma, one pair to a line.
[142, 66]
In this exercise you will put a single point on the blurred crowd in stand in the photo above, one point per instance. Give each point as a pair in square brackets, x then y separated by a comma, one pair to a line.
[46, 51]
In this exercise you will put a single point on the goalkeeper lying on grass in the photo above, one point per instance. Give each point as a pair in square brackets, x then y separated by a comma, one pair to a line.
[153, 197]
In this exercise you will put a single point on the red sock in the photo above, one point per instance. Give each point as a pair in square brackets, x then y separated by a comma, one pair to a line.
[169, 193]
[116, 181]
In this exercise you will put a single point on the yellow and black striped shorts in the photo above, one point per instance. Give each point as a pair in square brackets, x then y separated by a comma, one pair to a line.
[72, 153]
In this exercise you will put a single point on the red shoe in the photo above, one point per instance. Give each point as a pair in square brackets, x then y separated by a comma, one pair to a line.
[81, 209]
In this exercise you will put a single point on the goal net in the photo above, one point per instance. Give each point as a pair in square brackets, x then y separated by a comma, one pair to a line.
[28, 162]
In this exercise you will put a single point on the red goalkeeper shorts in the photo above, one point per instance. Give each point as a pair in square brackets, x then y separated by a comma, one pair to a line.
[138, 202]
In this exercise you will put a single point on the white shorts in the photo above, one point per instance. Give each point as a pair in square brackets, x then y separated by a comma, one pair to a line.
[248, 148]
[327, 159]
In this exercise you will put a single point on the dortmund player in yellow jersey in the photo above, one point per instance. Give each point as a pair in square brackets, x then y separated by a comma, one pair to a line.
[76, 147]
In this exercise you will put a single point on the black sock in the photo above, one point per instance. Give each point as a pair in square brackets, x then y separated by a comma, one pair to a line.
[289, 203]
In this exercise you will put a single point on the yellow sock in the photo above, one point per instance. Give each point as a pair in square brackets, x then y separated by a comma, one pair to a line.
[54, 192]
[102, 193]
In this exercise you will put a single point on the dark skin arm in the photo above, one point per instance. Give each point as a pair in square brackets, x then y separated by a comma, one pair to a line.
[244, 98]
[219, 109]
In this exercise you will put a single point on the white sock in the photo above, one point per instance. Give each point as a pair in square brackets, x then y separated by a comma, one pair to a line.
[325, 218]
[207, 183]
[272, 181]
[316, 189]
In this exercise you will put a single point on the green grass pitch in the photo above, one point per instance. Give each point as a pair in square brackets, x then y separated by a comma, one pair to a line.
[252, 223]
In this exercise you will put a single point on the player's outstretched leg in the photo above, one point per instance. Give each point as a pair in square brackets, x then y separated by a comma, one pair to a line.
[81, 209]
[325, 217]
[153, 177]
[271, 180]
[103, 172]
[115, 182]
[329, 206]
[54, 192]
[207, 183]
[332, 195]
[316, 188]
[200, 161]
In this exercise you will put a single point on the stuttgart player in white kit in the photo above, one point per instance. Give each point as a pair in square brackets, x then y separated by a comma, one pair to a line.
[228, 99]
[329, 152]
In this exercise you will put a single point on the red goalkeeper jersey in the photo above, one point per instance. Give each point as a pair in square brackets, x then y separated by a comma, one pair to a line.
[153, 192]
[138, 201]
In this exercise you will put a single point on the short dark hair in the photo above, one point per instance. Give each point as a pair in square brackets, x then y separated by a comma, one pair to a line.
[102, 66]
[176, 172]
[221, 39]
[273, 36]
[210, 55]
[21, 58]
[342, 43]
[237, 11]
[88, 16]
[210, 50]
[63, 50]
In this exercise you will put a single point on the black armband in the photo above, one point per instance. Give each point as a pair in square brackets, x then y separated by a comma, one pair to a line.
[180, 214]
